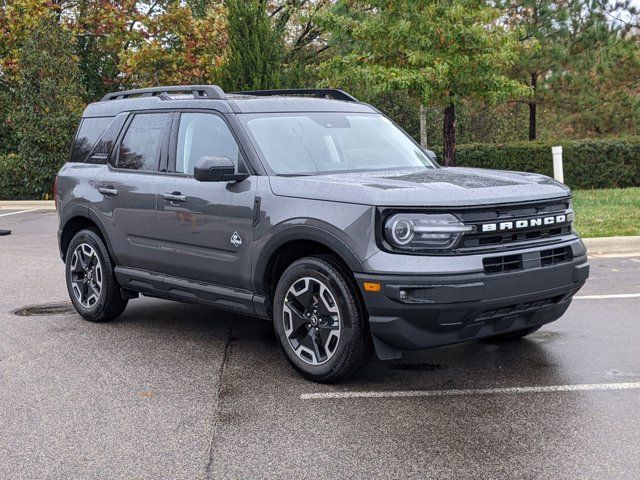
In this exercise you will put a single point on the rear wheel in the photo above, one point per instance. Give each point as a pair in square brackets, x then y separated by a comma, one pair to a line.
[510, 336]
[319, 320]
[91, 281]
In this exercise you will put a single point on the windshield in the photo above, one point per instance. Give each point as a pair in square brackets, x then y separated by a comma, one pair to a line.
[312, 143]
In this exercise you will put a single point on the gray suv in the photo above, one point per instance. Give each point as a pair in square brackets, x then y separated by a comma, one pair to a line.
[315, 211]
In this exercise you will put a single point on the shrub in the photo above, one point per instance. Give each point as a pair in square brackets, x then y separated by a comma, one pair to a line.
[48, 102]
[19, 180]
[613, 163]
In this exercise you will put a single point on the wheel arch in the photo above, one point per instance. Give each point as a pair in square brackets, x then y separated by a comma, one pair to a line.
[294, 243]
[80, 218]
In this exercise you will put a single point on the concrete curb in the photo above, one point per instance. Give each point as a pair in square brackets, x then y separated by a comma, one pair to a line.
[27, 205]
[613, 246]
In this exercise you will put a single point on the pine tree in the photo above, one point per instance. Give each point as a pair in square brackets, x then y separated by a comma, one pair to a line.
[256, 47]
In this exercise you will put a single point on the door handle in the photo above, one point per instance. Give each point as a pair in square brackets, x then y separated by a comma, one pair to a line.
[174, 197]
[108, 191]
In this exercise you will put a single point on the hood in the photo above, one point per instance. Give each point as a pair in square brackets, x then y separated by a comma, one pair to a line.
[441, 187]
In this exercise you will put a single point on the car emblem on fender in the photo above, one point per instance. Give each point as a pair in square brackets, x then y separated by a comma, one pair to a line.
[236, 240]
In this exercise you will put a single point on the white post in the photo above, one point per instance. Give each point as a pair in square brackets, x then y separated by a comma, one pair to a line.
[558, 173]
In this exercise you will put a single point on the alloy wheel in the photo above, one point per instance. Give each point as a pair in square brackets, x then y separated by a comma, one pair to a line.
[86, 275]
[311, 319]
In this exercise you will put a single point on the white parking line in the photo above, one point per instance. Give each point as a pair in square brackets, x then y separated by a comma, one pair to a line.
[599, 297]
[16, 213]
[472, 392]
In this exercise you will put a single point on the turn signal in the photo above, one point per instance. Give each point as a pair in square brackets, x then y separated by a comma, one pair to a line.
[372, 287]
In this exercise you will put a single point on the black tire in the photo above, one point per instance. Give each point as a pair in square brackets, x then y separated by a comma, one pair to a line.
[352, 350]
[511, 336]
[109, 303]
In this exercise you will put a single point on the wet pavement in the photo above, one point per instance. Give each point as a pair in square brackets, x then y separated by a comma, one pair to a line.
[178, 391]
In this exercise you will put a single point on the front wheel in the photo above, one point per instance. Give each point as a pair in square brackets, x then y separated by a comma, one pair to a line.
[91, 281]
[319, 320]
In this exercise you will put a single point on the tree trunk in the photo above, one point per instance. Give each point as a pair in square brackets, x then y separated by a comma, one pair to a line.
[423, 126]
[533, 105]
[449, 136]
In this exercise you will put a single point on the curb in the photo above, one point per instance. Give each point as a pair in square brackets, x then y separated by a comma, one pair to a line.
[27, 205]
[613, 246]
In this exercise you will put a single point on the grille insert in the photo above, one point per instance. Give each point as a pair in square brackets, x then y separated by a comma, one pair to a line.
[554, 256]
[518, 308]
[509, 263]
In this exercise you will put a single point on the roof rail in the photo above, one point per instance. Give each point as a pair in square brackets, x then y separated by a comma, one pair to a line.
[199, 91]
[331, 93]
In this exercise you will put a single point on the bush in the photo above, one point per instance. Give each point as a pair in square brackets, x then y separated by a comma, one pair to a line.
[24, 180]
[588, 164]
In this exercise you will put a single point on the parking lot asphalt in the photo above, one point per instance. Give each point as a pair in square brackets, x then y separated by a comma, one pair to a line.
[178, 391]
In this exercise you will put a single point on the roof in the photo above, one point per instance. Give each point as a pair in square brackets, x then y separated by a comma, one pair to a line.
[212, 97]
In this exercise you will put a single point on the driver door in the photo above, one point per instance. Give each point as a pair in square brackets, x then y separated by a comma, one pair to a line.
[204, 228]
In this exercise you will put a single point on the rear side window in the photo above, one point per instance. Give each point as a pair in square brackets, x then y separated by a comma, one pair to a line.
[143, 143]
[90, 130]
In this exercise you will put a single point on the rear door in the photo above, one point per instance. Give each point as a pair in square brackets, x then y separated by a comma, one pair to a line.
[128, 188]
[205, 229]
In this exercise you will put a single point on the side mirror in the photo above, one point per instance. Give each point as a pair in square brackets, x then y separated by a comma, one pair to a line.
[431, 154]
[216, 169]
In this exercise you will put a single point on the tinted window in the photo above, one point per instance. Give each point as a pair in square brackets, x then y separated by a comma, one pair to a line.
[142, 144]
[203, 134]
[90, 130]
[107, 141]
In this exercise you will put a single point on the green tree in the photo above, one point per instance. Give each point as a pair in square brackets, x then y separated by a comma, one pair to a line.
[544, 28]
[256, 47]
[440, 51]
[48, 101]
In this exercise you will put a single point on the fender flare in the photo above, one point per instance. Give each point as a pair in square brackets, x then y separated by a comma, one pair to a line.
[84, 211]
[302, 232]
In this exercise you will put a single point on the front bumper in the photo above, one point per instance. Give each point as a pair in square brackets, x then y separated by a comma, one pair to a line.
[415, 312]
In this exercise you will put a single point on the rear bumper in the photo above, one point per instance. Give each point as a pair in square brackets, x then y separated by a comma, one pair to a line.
[415, 312]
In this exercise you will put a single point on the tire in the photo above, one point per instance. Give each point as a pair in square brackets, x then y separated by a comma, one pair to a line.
[511, 336]
[91, 281]
[333, 344]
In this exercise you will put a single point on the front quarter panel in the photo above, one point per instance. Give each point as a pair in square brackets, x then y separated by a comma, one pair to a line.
[347, 229]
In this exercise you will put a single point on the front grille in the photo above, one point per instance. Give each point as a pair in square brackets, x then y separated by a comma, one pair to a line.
[514, 263]
[478, 240]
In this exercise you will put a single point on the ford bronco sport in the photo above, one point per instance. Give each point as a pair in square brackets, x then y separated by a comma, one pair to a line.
[313, 210]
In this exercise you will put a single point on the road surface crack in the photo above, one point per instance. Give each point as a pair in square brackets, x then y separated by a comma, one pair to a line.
[215, 418]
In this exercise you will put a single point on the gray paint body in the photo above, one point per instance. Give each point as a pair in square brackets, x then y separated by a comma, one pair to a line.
[183, 250]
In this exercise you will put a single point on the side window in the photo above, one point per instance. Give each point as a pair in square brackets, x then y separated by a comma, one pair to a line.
[203, 134]
[103, 148]
[141, 146]
[90, 130]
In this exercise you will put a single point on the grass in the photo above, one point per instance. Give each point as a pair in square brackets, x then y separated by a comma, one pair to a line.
[607, 212]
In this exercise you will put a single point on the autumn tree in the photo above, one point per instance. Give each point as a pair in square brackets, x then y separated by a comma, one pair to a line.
[175, 46]
[441, 51]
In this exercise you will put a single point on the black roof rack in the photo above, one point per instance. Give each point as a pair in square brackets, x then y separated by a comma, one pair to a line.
[331, 93]
[199, 91]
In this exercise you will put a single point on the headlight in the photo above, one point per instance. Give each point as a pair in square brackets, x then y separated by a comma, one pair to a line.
[419, 231]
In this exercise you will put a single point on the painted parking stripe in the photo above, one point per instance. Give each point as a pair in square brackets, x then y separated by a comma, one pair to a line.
[16, 213]
[599, 297]
[473, 392]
